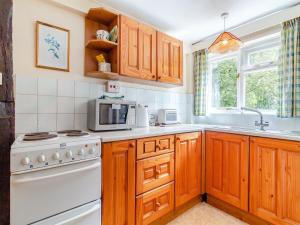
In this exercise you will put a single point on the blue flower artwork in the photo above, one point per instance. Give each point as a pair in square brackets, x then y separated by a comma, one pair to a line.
[53, 45]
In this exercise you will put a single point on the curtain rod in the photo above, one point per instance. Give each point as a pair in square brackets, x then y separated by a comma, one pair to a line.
[247, 22]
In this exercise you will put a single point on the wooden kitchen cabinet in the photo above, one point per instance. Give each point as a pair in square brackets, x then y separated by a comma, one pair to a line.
[154, 204]
[275, 180]
[130, 47]
[154, 172]
[118, 199]
[147, 147]
[138, 49]
[227, 168]
[188, 167]
[169, 59]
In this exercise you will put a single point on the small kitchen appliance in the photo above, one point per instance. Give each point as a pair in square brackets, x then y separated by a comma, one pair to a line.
[111, 114]
[142, 116]
[167, 116]
[56, 179]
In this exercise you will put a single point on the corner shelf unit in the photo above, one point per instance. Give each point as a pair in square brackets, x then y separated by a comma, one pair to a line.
[100, 19]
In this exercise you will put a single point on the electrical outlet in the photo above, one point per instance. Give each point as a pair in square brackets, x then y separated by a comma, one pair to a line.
[113, 86]
[1, 77]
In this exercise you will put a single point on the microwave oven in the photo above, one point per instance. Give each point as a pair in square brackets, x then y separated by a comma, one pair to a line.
[167, 116]
[111, 114]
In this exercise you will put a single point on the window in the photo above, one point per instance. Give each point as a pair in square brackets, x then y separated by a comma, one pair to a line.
[245, 78]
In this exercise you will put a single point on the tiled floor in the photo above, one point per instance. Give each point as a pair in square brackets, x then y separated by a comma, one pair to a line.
[204, 214]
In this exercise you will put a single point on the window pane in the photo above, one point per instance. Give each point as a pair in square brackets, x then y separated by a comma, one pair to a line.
[224, 83]
[262, 89]
[263, 56]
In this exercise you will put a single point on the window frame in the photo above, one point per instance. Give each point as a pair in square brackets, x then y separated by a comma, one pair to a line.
[242, 55]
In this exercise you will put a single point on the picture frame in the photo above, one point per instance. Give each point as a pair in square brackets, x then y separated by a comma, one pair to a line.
[52, 47]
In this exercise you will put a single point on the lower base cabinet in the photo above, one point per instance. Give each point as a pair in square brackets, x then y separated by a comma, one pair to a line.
[154, 204]
[275, 180]
[118, 199]
[227, 168]
[188, 167]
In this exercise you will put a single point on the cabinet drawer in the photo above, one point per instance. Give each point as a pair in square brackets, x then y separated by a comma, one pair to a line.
[153, 146]
[154, 172]
[154, 204]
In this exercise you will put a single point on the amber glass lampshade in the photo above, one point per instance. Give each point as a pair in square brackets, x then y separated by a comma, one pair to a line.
[225, 42]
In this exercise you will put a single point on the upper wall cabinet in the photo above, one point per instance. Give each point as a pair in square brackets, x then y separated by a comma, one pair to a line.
[141, 52]
[100, 19]
[138, 49]
[169, 59]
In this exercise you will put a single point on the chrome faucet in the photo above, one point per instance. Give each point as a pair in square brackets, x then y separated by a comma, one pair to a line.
[261, 123]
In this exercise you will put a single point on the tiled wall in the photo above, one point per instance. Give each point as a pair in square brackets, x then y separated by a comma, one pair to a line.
[45, 104]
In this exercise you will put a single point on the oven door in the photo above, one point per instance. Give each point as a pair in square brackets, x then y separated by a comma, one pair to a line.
[36, 195]
[89, 214]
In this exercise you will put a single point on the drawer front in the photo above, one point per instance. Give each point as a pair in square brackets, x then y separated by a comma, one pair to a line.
[153, 146]
[154, 204]
[154, 172]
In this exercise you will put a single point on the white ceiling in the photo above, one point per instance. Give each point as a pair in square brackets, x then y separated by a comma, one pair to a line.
[193, 20]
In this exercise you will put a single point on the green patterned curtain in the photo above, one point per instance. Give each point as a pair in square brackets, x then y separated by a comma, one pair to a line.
[200, 77]
[289, 70]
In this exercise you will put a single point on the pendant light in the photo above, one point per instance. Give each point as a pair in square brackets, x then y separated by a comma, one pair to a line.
[226, 41]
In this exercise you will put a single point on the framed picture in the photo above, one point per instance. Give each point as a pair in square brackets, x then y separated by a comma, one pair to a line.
[52, 47]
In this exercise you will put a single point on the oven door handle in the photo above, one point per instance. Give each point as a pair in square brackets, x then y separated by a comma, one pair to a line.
[84, 214]
[26, 180]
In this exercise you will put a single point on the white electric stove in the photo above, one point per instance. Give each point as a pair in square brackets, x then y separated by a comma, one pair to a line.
[56, 179]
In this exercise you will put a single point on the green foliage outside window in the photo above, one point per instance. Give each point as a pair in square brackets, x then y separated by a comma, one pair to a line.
[225, 83]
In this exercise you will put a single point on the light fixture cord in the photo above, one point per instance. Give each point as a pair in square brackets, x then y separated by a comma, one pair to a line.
[224, 22]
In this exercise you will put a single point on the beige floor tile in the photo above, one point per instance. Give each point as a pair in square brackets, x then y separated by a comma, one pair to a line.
[204, 214]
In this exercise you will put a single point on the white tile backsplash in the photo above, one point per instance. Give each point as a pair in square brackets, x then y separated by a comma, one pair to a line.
[65, 121]
[81, 105]
[26, 85]
[47, 104]
[47, 122]
[65, 105]
[47, 86]
[81, 121]
[82, 89]
[66, 88]
[26, 103]
[26, 123]
[56, 104]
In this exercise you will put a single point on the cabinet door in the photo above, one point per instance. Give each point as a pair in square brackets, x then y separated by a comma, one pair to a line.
[154, 204]
[118, 181]
[130, 47]
[154, 172]
[188, 167]
[227, 170]
[176, 61]
[147, 38]
[147, 147]
[169, 59]
[274, 180]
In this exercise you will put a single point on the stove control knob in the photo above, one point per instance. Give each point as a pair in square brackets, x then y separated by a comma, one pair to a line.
[56, 156]
[69, 154]
[41, 158]
[81, 152]
[25, 161]
[92, 150]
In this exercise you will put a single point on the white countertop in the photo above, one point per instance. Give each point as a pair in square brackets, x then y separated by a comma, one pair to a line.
[184, 128]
